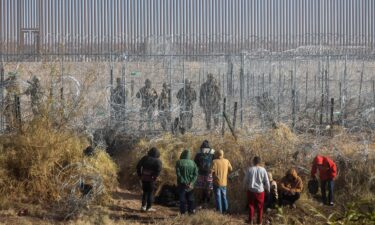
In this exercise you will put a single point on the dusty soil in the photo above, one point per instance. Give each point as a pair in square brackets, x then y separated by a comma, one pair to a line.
[126, 208]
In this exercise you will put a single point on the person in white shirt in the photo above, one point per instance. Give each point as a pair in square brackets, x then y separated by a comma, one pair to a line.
[256, 183]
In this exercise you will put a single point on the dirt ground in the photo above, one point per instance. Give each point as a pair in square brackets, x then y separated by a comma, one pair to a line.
[125, 209]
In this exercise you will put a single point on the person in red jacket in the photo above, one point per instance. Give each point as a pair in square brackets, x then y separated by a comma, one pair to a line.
[327, 173]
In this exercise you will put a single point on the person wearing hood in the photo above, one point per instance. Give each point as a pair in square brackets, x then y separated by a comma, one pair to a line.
[187, 173]
[290, 188]
[220, 169]
[204, 184]
[327, 174]
[148, 169]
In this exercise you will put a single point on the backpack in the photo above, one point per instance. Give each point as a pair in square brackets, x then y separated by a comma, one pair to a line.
[205, 162]
[313, 186]
[168, 196]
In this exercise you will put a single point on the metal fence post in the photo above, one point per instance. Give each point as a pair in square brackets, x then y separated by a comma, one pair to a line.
[2, 122]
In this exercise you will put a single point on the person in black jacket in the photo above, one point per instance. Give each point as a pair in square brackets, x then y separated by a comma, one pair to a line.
[204, 184]
[148, 169]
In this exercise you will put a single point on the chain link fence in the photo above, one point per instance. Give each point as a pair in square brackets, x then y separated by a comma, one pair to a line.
[302, 91]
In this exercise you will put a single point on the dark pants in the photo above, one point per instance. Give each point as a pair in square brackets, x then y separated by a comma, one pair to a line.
[146, 116]
[285, 199]
[186, 118]
[186, 197]
[203, 196]
[165, 118]
[323, 185]
[118, 112]
[270, 201]
[148, 189]
[211, 113]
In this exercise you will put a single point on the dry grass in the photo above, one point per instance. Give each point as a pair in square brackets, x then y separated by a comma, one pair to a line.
[31, 159]
[206, 217]
[98, 219]
[55, 148]
[278, 149]
[278, 142]
[34, 154]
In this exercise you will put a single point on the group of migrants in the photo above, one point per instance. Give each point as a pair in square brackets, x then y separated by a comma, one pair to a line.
[208, 174]
[12, 107]
[209, 100]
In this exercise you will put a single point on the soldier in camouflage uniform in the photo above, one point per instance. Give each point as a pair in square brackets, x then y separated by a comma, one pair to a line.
[11, 108]
[36, 94]
[149, 97]
[209, 100]
[118, 98]
[164, 107]
[186, 98]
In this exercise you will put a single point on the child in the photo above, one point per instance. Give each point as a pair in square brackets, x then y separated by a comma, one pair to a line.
[272, 197]
[256, 183]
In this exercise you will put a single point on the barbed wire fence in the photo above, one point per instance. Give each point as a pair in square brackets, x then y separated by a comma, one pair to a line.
[310, 93]
[326, 89]
[309, 81]
[307, 88]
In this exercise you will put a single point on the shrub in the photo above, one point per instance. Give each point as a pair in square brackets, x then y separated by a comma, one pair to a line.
[32, 158]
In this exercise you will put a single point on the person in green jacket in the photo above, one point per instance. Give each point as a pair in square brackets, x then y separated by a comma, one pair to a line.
[187, 173]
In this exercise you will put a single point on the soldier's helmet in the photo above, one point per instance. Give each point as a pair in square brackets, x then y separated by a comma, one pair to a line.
[11, 81]
[210, 77]
[187, 81]
[148, 83]
[165, 85]
[35, 79]
[118, 80]
[12, 76]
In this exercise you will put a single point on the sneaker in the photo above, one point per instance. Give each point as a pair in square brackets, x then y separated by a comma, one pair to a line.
[293, 206]
[331, 204]
[151, 210]
[249, 221]
[143, 208]
[192, 212]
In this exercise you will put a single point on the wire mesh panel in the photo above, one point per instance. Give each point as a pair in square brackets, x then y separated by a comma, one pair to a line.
[169, 93]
